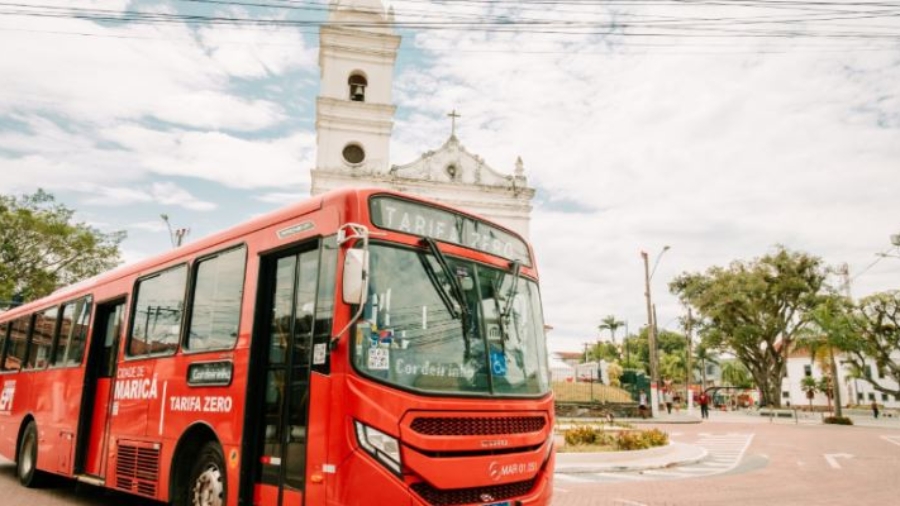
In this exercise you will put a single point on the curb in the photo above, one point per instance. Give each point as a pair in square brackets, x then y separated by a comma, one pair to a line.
[681, 454]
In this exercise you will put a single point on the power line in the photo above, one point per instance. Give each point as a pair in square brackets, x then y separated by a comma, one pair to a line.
[702, 28]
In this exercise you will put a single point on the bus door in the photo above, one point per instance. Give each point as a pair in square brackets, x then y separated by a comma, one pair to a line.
[284, 343]
[93, 426]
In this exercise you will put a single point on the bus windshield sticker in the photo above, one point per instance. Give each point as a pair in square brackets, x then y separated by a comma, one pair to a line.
[295, 229]
[210, 373]
[6, 397]
[319, 353]
[379, 359]
[442, 225]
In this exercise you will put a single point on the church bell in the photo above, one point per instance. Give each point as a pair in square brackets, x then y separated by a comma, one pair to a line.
[358, 92]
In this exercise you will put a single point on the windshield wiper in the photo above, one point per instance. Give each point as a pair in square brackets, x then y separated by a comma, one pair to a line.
[456, 290]
[503, 316]
[446, 298]
[516, 268]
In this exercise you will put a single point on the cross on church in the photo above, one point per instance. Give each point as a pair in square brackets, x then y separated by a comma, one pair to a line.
[453, 117]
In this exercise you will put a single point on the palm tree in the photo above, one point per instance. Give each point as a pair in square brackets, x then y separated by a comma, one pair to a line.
[821, 355]
[673, 365]
[704, 355]
[611, 324]
[824, 386]
[809, 385]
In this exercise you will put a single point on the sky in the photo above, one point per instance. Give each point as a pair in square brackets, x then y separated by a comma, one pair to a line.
[719, 129]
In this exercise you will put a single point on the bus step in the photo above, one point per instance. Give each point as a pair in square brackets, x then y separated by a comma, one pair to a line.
[90, 480]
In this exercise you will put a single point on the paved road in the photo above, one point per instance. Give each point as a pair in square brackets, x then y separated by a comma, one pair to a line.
[766, 464]
[58, 494]
[779, 464]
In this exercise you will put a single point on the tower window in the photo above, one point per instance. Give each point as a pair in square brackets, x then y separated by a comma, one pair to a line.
[357, 83]
[354, 154]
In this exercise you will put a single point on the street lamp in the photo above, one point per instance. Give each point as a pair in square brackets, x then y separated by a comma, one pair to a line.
[651, 327]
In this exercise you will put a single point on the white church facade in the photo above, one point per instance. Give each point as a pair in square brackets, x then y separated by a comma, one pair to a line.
[355, 119]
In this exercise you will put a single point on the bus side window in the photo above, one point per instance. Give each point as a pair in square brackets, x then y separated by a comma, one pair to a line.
[158, 311]
[216, 304]
[72, 332]
[42, 339]
[18, 344]
[4, 330]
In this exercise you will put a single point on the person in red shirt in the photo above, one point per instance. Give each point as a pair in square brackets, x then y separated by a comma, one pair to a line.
[703, 400]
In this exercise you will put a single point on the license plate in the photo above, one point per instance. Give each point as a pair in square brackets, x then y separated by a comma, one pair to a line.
[504, 503]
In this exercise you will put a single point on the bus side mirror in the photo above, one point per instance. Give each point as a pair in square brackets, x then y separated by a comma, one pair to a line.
[356, 274]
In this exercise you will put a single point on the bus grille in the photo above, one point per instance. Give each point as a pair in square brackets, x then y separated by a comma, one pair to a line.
[475, 495]
[137, 470]
[478, 426]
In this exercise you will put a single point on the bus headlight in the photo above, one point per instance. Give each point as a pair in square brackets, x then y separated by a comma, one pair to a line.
[384, 448]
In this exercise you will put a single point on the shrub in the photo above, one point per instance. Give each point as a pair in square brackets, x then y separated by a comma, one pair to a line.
[631, 441]
[581, 435]
[838, 420]
[586, 435]
[656, 437]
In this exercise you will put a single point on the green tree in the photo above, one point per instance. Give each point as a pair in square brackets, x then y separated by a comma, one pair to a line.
[756, 309]
[637, 351]
[870, 335]
[830, 328]
[735, 374]
[42, 247]
[604, 351]
[611, 324]
[673, 366]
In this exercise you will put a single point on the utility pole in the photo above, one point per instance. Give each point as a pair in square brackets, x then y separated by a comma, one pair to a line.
[844, 272]
[651, 339]
[689, 327]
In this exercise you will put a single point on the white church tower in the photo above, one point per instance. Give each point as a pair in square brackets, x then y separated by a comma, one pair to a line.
[355, 117]
[354, 113]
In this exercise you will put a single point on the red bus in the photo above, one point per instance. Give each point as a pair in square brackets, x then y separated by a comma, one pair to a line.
[361, 347]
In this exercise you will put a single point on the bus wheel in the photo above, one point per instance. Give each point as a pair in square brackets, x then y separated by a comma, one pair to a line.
[26, 466]
[206, 486]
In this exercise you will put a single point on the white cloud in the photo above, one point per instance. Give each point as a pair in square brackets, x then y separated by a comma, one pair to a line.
[133, 72]
[164, 193]
[220, 157]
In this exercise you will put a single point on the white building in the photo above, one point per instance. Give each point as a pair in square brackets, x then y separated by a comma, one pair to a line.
[561, 371]
[355, 118]
[852, 390]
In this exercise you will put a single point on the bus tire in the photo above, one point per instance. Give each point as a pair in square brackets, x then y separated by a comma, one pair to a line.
[26, 464]
[207, 483]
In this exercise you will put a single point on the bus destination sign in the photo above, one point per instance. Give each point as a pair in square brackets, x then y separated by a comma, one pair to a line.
[419, 219]
[210, 373]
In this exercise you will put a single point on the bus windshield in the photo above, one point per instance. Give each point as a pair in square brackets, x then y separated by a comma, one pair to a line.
[448, 325]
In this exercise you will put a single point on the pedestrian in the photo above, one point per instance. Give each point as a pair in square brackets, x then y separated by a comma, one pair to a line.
[703, 400]
[642, 407]
[667, 397]
[875, 409]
